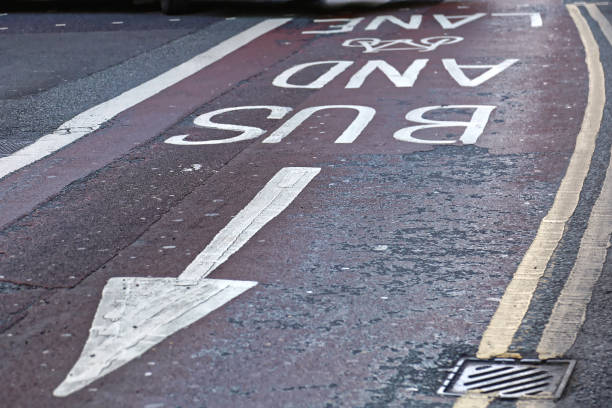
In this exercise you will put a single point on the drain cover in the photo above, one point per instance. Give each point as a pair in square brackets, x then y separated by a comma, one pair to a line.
[509, 378]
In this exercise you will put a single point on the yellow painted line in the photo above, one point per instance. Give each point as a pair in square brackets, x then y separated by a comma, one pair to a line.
[569, 312]
[473, 400]
[515, 302]
[482, 401]
[604, 24]
[535, 404]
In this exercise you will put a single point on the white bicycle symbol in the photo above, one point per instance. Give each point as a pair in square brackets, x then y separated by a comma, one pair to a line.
[373, 45]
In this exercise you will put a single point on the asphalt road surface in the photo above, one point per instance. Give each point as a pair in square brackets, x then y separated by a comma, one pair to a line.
[283, 205]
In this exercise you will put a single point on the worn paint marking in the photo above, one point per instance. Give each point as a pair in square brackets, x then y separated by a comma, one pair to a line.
[280, 191]
[135, 314]
[535, 18]
[90, 120]
[569, 311]
[498, 336]
[515, 302]
[604, 24]
[535, 404]
[473, 400]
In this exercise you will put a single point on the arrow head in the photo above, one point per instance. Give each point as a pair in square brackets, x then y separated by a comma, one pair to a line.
[135, 314]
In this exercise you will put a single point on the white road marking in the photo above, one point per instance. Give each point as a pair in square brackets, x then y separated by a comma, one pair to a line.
[457, 71]
[90, 120]
[374, 45]
[246, 132]
[473, 129]
[135, 314]
[399, 79]
[413, 24]
[336, 68]
[445, 21]
[3, 28]
[364, 117]
[280, 191]
[117, 22]
[60, 25]
[536, 18]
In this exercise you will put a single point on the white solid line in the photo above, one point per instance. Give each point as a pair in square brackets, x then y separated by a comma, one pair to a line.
[90, 120]
[276, 195]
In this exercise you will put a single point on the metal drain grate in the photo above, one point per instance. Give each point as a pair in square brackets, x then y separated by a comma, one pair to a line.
[509, 378]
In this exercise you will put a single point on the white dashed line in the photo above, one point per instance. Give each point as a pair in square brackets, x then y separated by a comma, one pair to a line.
[60, 25]
[174, 19]
[3, 14]
[117, 22]
[3, 28]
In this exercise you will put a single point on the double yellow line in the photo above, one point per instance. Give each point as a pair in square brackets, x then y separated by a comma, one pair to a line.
[569, 311]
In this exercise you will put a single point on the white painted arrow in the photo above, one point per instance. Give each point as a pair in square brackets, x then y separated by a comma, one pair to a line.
[135, 314]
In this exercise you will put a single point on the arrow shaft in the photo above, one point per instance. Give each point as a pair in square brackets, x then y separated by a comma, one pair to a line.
[135, 314]
[276, 195]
